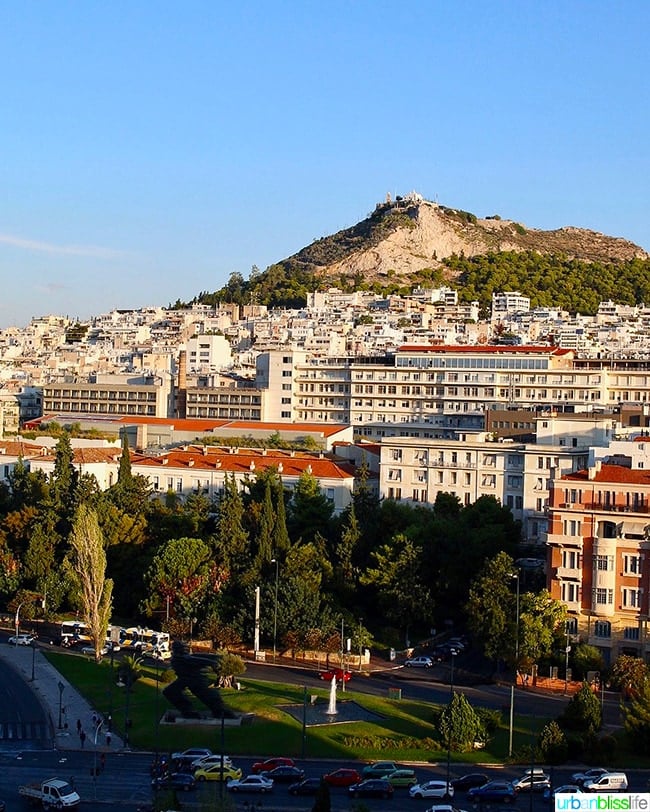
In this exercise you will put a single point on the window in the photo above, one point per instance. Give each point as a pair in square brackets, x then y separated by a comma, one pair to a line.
[570, 559]
[632, 564]
[603, 562]
[603, 628]
[631, 633]
[632, 598]
[604, 596]
[285, 414]
[572, 626]
[570, 592]
[396, 454]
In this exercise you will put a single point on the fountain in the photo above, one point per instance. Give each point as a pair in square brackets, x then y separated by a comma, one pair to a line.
[331, 708]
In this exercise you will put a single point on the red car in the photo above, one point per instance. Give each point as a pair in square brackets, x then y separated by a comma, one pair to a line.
[339, 673]
[342, 778]
[272, 763]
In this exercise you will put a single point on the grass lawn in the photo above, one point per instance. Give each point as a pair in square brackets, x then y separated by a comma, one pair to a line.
[405, 731]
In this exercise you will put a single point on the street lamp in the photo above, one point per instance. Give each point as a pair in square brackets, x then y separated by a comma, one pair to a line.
[514, 575]
[567, 650]
[17, 622]
[33, 645]
[453, 653]
[275, 606]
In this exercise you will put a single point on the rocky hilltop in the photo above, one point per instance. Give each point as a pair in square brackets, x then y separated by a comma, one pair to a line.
[409, 234]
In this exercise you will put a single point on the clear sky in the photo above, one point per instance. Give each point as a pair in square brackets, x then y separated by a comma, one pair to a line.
[150, 149]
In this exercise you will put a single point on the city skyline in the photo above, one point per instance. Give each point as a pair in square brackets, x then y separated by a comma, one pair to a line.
[147, 156]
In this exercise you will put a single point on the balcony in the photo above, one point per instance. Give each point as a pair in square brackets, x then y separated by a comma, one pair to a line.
[600, 506]
[564, 541]
[568, 573]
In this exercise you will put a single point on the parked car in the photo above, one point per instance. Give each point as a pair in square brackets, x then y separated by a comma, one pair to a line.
[371, 788]
[184, 781]
[378, 769]
[308, 786]
[571, 789]
[468, 781]
[588, 775]
[419, 662]
[90, 650]
[494, 791]
[21, 640]
[443, 808]
[402, 778]
[532, 782]
[432, 789]
[214, 772]
[272, 763]
[339, 673]
[342, 777]
[208, 761]
[607, 782]
[193, 752]
[284, 774]
[251, 783]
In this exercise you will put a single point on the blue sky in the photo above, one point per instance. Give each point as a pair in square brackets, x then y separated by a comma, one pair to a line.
[148, 150]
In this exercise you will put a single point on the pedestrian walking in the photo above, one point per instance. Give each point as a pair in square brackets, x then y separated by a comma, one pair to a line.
[82, 736]
[78, 727]
[108, 739]
[109, 721]
[94, 719]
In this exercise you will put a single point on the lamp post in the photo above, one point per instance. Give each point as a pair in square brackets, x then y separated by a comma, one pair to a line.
[514, 575]
[33, 645]
[98, 727]
[17, 622]
[192, 621]
[453, 653]
[60, 686]
[275, 607]
[567, 650]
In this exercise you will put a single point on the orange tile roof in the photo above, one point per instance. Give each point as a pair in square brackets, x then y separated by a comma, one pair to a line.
[612, 473]
[246, 460]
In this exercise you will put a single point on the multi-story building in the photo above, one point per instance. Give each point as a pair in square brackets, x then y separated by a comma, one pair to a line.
[472, 466]
[599, 555]
[111, 395]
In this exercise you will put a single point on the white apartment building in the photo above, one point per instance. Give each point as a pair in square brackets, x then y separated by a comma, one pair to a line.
[208, 353]
[472, 466]
[509, 302]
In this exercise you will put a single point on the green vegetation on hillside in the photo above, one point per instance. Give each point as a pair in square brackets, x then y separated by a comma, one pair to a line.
[550, 280]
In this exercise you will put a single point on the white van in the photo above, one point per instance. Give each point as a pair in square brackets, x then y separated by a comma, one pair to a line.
[607, 782]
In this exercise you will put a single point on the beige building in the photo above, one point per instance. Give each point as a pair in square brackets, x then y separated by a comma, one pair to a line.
[113, 395]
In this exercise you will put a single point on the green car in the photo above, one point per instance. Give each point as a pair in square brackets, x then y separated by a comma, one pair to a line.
[401, 778]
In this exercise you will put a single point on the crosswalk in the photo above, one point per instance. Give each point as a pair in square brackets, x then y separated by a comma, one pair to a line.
[16, 731]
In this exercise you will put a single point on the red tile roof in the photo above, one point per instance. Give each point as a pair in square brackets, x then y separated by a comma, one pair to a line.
[612, 473]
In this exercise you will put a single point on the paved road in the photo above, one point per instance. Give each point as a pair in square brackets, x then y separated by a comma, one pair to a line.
[24, 722]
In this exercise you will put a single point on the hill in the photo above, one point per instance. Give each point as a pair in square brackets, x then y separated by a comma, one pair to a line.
[411, 241]
[403, 237]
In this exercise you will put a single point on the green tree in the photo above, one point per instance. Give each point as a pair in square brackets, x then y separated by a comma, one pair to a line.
[541, 618]
[636, 719]
[310, 510]
[553, 744]
[89, 564]
[460, 725]
[228, 667]
[491, 608]
[182, 572]
[396, 576]
[629, 674]
[64, 482]
[583, 714]
[585, 658]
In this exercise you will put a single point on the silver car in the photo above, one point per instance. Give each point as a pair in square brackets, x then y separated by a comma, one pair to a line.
[419, 662]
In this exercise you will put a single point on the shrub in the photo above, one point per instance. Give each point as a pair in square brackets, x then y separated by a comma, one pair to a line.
[553, 744]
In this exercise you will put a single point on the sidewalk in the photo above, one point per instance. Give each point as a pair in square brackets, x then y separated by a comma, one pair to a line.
[64, 705]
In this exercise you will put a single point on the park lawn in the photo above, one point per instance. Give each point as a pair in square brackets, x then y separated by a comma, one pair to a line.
[405, 731]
